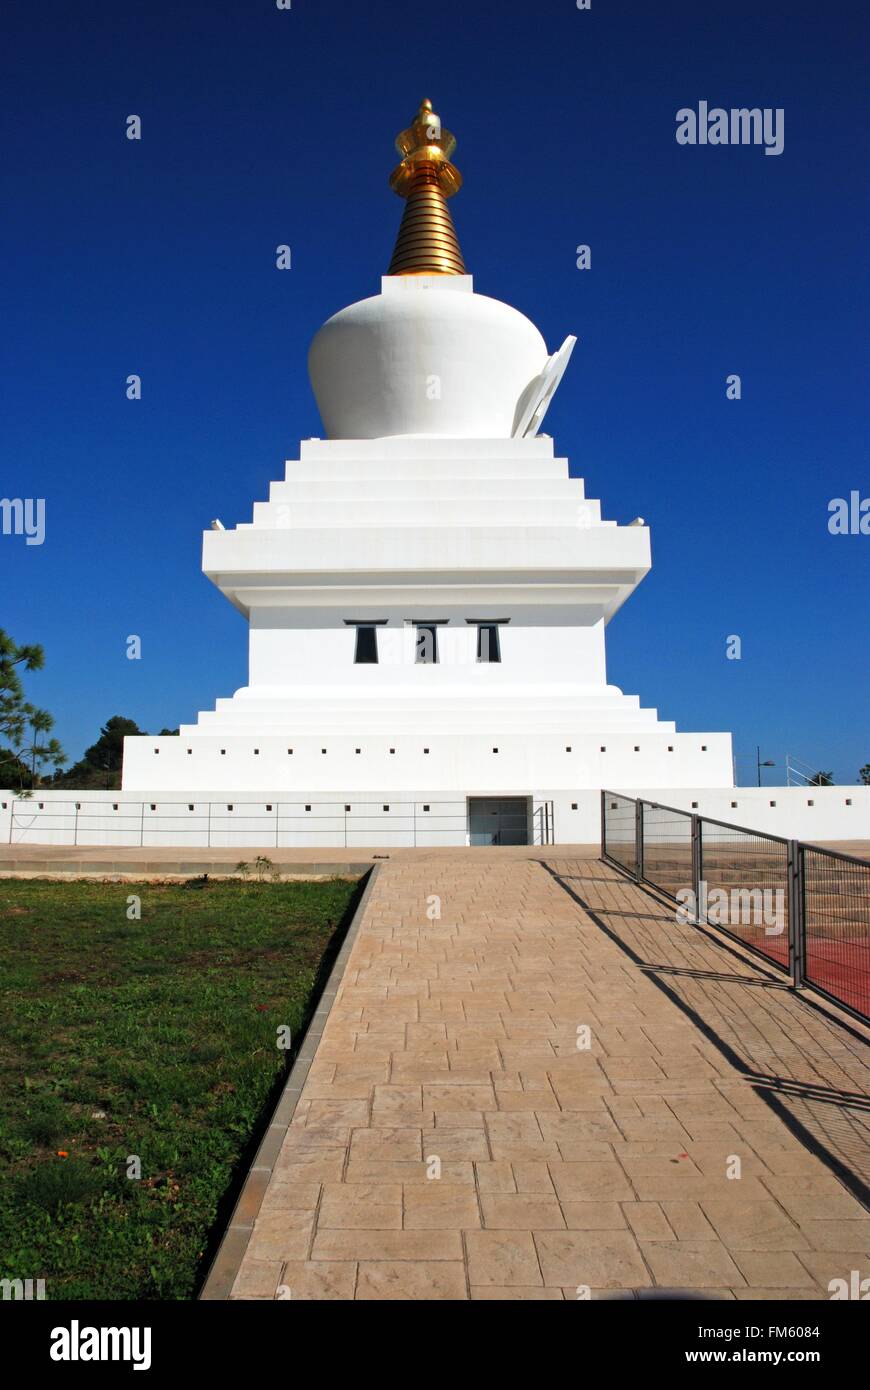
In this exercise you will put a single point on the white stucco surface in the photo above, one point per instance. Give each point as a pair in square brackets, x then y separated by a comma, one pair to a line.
[261, 818]
[426, 356]
[424, 506]
[427, 530]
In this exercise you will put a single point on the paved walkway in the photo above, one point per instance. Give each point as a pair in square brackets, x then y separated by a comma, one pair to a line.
[26, 859]
[452, 1140]
[100, 861]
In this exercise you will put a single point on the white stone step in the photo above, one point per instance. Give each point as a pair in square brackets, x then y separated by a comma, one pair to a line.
[533, 469]
[426, 447]
[418, 724]
[448, 512]
[391, 701]
[401, 488]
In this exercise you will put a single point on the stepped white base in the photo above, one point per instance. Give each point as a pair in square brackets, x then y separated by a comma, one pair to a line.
[409, 530]
[508, 761]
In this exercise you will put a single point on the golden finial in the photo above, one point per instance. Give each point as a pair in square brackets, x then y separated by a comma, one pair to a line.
[427, 243]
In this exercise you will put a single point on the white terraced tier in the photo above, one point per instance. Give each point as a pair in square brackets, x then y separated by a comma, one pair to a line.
[456, 527]
[397, 532]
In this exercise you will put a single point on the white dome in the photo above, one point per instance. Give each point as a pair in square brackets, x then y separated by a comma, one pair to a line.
[426, 356]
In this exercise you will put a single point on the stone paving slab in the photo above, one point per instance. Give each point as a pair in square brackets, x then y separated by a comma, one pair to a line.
[533, 1083]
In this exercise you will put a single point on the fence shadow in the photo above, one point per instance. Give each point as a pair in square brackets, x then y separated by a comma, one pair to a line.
[827, 1119]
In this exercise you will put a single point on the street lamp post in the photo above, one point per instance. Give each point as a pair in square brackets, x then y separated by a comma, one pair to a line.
[759, 764]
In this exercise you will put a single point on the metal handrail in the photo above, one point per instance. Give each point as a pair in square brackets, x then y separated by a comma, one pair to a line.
[804, 966]
[834, 853]
[708, 820]
[204, 817]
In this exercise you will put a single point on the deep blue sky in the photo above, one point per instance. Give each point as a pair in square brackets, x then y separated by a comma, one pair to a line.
[264, 126]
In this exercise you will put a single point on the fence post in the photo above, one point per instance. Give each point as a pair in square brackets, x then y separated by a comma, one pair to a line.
[638, 840]
[697, 867]
[797, 924]
[603, 823]
[76, 825]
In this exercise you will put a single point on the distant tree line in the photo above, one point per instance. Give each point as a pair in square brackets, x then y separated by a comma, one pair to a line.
[29, 757]
[101, 764]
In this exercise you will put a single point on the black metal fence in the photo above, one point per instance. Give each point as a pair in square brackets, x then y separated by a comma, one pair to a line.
[804, 909]
[835, 911]
[621, 831]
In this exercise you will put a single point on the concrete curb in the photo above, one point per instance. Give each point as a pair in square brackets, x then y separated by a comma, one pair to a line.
[234, 1243]
[128, 870]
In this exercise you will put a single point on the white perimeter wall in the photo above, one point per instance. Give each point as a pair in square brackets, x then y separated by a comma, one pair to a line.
[264, 819]
[798, 813]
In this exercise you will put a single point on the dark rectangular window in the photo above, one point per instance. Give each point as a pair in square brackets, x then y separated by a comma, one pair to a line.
[488, 648]
[426, 650]
[366, 646]
[488, 641]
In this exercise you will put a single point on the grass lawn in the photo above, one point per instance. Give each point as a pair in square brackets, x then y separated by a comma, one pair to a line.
[155, 1039]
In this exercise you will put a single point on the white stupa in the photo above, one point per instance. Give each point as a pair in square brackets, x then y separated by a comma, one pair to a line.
[427, 589]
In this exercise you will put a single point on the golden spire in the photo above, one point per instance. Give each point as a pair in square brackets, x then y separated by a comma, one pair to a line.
[426, 244]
